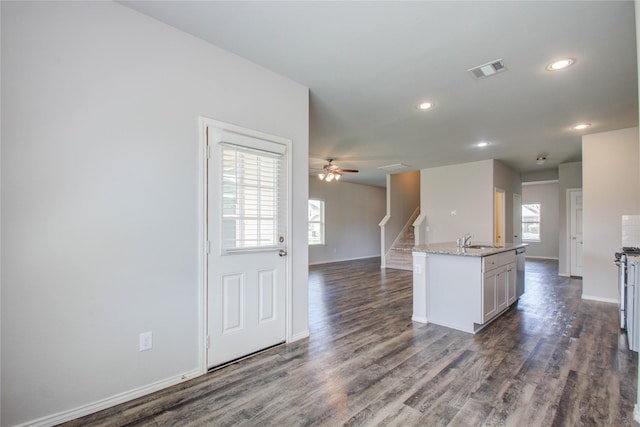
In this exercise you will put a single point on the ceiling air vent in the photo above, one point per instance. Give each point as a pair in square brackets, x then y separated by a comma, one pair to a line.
[488, 69]
[393, 167]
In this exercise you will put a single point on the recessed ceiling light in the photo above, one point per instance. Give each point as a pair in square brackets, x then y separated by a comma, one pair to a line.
[581, 126]
[425, 105]
[482, 144]
[560, 64]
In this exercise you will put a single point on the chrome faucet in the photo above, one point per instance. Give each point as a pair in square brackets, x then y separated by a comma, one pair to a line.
[466, 239]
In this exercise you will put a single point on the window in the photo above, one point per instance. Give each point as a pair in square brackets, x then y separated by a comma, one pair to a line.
[316, 222]
[251, 183]
[531, 222]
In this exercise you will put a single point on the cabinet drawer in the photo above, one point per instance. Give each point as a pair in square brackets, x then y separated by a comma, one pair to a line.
[494, 261]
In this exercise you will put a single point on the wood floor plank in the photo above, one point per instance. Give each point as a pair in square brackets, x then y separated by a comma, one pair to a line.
[551, 359]
[472, 413]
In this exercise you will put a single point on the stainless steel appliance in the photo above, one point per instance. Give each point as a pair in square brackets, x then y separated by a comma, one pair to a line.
[621, 262]
[633, 302]
[628, 262]
[520, 255]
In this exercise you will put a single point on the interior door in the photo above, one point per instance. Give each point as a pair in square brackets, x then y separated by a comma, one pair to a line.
[247, 238]
[575, 228]
[517, 218]
[499, 217]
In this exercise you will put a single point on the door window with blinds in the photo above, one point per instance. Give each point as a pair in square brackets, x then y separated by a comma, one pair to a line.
[252, 189]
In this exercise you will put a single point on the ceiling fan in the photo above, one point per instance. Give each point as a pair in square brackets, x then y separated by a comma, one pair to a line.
[331, 171]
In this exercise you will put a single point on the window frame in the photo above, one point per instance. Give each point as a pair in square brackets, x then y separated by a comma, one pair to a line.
[241, 175]
[525, 223]
[321, 222]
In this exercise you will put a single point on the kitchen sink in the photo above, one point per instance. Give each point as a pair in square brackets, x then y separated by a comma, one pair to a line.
[481, 247]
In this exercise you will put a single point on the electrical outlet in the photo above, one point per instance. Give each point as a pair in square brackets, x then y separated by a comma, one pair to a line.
[146, 341]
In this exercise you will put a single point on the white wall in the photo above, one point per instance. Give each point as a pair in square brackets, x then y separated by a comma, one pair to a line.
[352, 214]
[569, 176]
[100, 197]
[458, 199]
[403, 197]
[547, 195]
[611, 188]
[540, 175]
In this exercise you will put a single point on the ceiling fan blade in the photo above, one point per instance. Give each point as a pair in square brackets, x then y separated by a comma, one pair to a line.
[347, 170]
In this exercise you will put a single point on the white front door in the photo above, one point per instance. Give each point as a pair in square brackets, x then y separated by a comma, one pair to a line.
[517, 218]
[247, 240]
[575, 230]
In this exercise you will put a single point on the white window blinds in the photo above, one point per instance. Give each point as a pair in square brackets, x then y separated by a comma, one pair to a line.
[252, 211]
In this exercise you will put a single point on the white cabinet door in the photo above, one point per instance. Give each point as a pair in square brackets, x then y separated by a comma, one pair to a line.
[513, 275]
[489, 297]
[498, 284]
[498, 290]
[502, 285]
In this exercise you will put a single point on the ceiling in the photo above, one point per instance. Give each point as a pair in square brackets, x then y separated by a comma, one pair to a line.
[368, 64]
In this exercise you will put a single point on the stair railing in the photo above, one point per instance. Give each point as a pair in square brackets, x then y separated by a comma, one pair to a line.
[410, 222]
[382, 225]
[420, 229]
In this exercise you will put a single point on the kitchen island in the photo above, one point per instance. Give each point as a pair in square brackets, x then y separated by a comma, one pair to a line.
[464, 288]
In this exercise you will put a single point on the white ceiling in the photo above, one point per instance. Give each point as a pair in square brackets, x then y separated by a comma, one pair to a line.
[368, 64]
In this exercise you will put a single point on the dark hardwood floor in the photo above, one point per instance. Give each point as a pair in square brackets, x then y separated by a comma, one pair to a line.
[551, 360]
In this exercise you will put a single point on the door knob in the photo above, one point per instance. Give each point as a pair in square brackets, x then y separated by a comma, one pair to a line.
[282, 252]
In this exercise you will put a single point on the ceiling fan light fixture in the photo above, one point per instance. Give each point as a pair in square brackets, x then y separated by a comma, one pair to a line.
[560, 64]
[332, 172]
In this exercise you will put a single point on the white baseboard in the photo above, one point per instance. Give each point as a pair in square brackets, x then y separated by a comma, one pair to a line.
[345, 259]
[300, 336]
[419, 319]
[595, 298]
[636, 413]
[117, 399]
[542, 257]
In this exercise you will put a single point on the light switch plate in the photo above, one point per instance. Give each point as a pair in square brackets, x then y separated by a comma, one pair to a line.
[146, 341]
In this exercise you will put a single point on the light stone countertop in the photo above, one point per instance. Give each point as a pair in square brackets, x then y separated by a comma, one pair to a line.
[450, 248]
